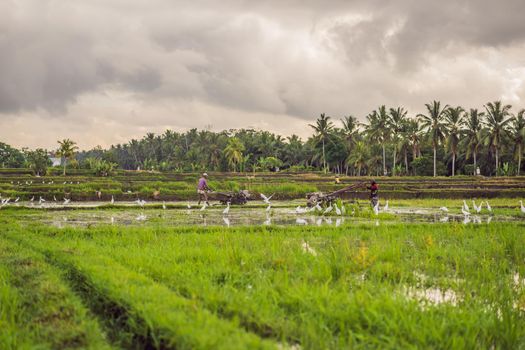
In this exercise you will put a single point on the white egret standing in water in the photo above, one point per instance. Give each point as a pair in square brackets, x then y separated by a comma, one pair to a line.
[337, 210]
[227, 209]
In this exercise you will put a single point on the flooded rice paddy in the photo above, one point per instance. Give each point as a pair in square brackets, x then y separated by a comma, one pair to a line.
[280, 214]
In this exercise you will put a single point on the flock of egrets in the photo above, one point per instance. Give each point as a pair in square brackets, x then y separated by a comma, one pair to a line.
[469, 214]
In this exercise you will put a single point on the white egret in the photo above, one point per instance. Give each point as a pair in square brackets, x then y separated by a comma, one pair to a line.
[227, 209]
[328, 209]
[17, 199]
[444, 209]
[189, 205]
[489, 208]
[66, 201]
[112, 199]
[318, 207]
[465, 206]
[164, 205]
[32, 199]
[465, 212]
[343, 209]
[266, 199]
[41, 200]
[55, 198]
[385, 208]
[522, 208]
[337, 210]
[226, 221]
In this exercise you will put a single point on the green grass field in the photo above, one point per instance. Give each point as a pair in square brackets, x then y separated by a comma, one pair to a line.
[354, 286]
[125, 277]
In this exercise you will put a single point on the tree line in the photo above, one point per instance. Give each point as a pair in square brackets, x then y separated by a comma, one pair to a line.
[445, 140]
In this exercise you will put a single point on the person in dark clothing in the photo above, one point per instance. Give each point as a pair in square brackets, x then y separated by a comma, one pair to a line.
[374, 193]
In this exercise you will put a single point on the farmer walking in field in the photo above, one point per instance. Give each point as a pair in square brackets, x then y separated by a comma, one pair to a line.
[374, 193]
[202, 188]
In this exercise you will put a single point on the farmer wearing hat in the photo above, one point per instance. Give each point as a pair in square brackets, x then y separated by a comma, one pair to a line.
[202, 188]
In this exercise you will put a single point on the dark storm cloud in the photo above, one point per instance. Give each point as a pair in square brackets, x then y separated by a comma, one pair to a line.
[253, 60]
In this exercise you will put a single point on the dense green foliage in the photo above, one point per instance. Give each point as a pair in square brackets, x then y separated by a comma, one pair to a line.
[389, 143]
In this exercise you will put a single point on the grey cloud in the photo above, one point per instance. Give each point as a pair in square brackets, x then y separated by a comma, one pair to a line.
[293, 58]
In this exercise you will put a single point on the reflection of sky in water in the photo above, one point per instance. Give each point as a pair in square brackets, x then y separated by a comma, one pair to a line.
[241, 216]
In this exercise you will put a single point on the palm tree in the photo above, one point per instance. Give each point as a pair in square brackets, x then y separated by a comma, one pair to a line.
[350, 130]
[517, 131]
[358, 157]
[454, 126]
[323, 128]
[378, 129]
[414, 134]
[410, 138]
[66, 151]
[233, 152]
[473, 134]
[497, 123]
[396, 123]
[434, 125]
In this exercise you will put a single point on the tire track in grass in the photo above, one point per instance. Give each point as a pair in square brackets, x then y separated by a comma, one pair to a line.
[37, 309]
[153, 315]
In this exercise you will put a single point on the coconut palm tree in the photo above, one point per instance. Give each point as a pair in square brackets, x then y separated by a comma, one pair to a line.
[497, 122]
[409, 139]
[349, 131]
[517, 132]
[323, 129]
[66, 151]
[473, 134]
[434, 125]
[454, 127]
[396, 122]
[234, 152]
[358, 157]
[378, 129]
[414, 134]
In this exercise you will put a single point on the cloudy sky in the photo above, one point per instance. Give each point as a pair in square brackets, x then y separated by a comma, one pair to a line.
[103, 71]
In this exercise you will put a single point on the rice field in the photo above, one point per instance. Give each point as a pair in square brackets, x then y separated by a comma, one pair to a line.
[97, 275]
